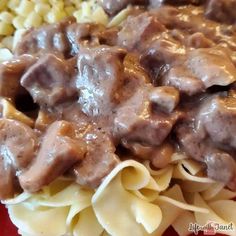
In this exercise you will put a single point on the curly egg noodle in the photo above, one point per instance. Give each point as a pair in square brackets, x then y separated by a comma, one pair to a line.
[132, 198]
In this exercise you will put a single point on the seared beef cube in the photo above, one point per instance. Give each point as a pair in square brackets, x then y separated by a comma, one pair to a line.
[218, 116]
[168, 16]
[50, 81]
[18, 142]
[99, 161]
[49, 38]
[212, 66]
[135, 121]
[60, 149]
[100, 76]
[160, 55]
[182, 79]
[17, 150]
[221, 10]
[221, 167]
[85, 33]
[191, 141]
[165, 97]
[199, 40]
[113, 6]
[10, 74]
[108, 36]
[158, 3]
[161, 155]
[138, 30]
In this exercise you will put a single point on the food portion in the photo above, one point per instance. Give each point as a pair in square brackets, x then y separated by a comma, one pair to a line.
[91, 98]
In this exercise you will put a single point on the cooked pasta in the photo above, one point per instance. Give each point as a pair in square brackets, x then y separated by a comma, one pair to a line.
[131, 198]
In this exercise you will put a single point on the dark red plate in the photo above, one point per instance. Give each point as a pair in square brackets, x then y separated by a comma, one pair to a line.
[8, 229]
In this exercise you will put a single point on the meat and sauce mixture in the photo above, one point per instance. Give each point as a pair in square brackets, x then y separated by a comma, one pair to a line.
[163, 81]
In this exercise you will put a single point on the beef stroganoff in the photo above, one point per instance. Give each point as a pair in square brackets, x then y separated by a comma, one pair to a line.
[118, 116]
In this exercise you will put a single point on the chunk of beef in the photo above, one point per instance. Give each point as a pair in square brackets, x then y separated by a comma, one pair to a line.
[161, 55]
[182, 79]
[113, 6]
[99, 161]
[137, 31]
[220, 165]
[199, 40]
[135, 121]
[192, 141]
[63, 38]
[100, 75]
[82, 34]
[49, 38]
[135, 76]
[49, 81]
[108, 36]
[166, 50]
[165, 97]
[161, 155]
[60, 149]
[212, 66]
[18, 144]
[221, 10]
[167, 15]
[133, 69]
[218, 116]
[158, 3]
[10, 74]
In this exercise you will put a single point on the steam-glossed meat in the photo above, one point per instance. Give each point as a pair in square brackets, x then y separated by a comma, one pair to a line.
[50, 38]
[216, 67]
[100, 159]
[112, 7]
[18, 145]
[221, 10]
[132, 38]
[218, 116]
[60, 149]
[79, 34]
[135, 120]
[183, 80]
[50, 81]
[10, 74]
[158, 3]
[63, 38]
[165, 97]
[99, 79]
[222, 167]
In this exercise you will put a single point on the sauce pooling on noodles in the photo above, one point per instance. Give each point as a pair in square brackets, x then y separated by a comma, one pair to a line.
[162, 81]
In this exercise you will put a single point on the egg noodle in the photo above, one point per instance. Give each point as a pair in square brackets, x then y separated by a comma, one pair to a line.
[133, 198]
